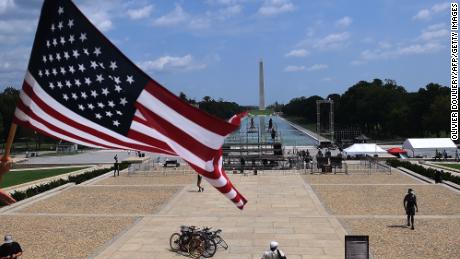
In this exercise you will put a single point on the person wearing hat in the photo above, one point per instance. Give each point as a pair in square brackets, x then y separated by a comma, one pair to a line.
[10, 249]
[410, 205]
[274, 252]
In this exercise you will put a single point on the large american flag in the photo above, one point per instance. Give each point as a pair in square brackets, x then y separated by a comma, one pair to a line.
[80, 88]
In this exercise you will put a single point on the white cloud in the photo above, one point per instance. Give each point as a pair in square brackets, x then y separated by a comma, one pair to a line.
[427, 14]
[297, 53]
[344, 22]
[317, 67]
[398, 51]
[177, 16]
[332, 41]
[167, 63]
[434, 34]
[100, 13]
[275, 7]
[199, 23]
[230, 11]
[5, 5]
[294, 68]
[140, 13]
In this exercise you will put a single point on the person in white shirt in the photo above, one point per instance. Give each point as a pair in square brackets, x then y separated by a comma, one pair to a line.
[274, 252]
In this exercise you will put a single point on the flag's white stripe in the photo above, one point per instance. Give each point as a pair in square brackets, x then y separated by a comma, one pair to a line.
[20, 115]
[231, 194]
[176, 147]
[240, 203]
[203, 135]
[139, 114]
[45, 116]
[219, 182]
[72, 115]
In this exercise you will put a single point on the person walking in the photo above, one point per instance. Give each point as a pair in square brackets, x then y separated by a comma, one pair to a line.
[198, 183]
[116, 166]
[274, 252]
[10, 249]
[410, 205]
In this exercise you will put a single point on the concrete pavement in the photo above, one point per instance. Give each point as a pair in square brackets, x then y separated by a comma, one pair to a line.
[281, 207]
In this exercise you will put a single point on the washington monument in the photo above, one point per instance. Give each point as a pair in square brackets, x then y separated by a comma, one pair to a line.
[261, 86]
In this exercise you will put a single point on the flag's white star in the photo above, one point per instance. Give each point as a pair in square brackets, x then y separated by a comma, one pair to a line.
[50, 58]
[101, 64]
[117, 80]
[98, 116]
[99, 78]
[52, 27]
[90, 106]
[129, 79]
[48, 44]
[100, 105]
[108, 114]
[83, 37]
[60, 10]
[117, 88]
[74, 96]
[54, 71]
[97, 51]
[87, 81]
[123, 101]
[65, 97]
[66, 55]
[59, 84]
[75, 53]
[81, 67]
[113, 65]
[81, 107]
[71, 39]
[83, 95]
[62, 40]
[116, 123]
[54, 42]
[63, 71]
[93, 93]
[119, 112]
[105, 91]
[40, 73]
[86, 52]
[93, 64]
[70, 23]
[47, 73]
[58, 56]
[44, 59]
[60, 25]
[111, 104]
[67, 83]
[77, 82]
[51, 85]
[71, 69]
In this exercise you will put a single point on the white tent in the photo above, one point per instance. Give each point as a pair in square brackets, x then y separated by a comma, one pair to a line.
[428, 146]
[364, 149]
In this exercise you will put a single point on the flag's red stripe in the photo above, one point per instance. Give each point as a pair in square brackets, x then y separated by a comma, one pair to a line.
[194, 114]
[53, 113]
[176, 134]
[139, 136]
[35, 117]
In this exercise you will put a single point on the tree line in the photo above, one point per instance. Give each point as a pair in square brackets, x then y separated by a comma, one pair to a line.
[381, 109]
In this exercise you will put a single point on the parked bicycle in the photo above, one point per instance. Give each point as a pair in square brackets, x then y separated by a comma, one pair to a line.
[215, 235]
[193, 241]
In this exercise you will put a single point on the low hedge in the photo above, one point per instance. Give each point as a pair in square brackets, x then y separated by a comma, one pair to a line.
[428, 172]
[77, 179]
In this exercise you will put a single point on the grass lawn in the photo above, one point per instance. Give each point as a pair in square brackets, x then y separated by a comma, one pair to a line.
[301, 122]
[454, 166]
[257, 112]
[19, 177]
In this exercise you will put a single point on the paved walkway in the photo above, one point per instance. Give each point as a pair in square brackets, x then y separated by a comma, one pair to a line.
[284, 209]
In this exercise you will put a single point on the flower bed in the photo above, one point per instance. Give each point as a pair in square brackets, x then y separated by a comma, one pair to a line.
[428, 172]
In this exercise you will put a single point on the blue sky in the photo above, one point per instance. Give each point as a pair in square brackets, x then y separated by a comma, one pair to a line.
[212, 47]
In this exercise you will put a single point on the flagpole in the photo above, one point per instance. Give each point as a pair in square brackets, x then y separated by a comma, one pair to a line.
[9, 142]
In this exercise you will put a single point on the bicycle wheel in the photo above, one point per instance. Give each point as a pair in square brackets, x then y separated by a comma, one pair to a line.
[174, 242]
[210, 248]
[220, 241]
[196, 248]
